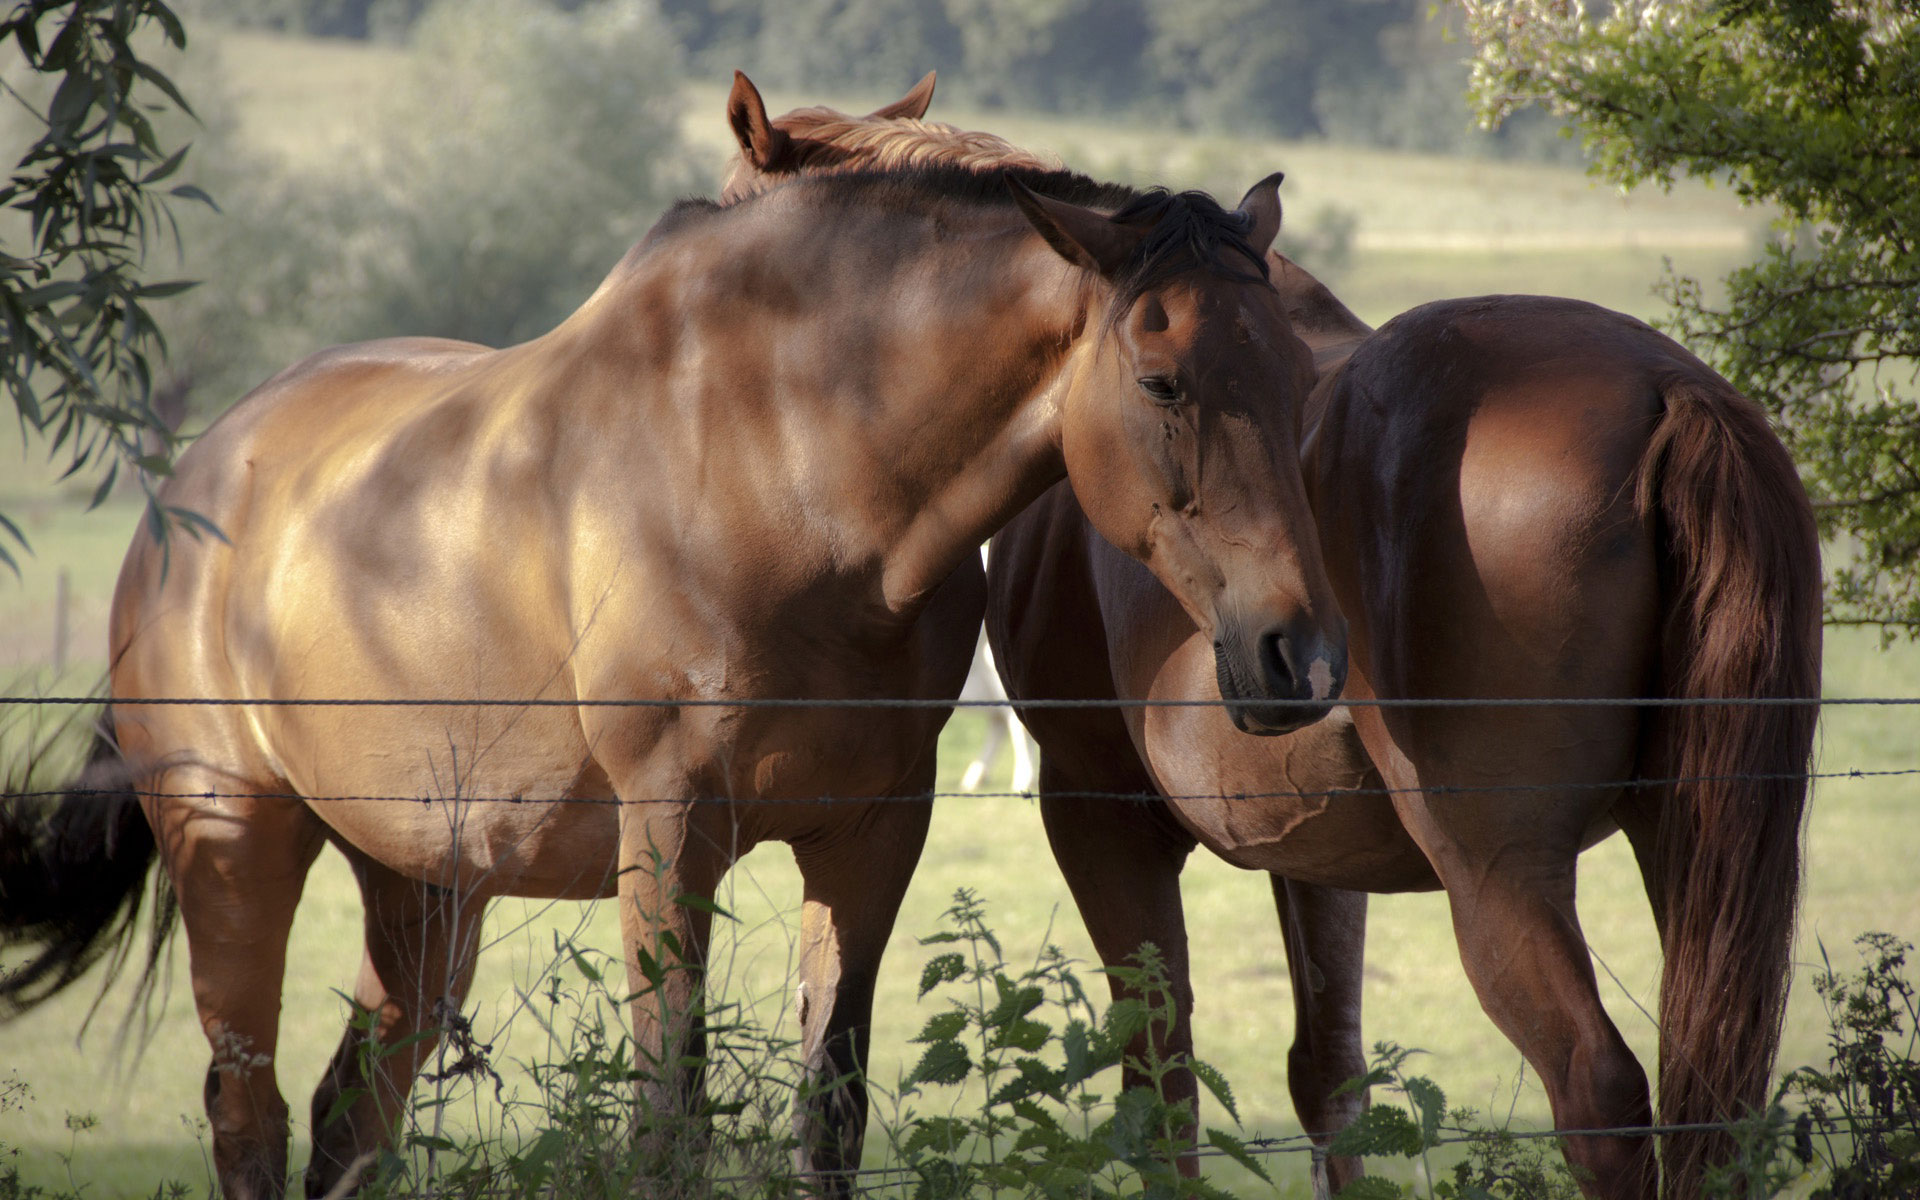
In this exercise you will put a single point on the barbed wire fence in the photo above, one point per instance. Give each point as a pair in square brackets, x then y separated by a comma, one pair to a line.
[888, 1180]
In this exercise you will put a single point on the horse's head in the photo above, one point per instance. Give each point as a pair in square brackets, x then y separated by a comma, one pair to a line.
[1180, 427]
[821, 139]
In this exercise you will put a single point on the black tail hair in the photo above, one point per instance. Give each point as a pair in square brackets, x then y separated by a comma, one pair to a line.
[73, 881]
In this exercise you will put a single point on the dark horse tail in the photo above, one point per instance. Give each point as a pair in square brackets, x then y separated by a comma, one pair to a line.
[73, 881]
[1741, 605]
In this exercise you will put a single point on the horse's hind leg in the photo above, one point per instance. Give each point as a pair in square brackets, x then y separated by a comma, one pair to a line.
[1325, 930]
[855, 875]
[1508, 865]
[238, 865]
[421, 942]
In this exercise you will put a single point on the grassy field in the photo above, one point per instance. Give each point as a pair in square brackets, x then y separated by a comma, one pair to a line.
[1427, 228]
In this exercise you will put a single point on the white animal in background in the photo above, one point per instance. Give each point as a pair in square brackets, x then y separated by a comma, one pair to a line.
[983, 683]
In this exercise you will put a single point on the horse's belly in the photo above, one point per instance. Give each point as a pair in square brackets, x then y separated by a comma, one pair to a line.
[554, 850]
[505, 801]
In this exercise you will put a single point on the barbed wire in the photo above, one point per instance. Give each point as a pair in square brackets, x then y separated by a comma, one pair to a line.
[1301, 1143]
[865, 702]
[939, 794]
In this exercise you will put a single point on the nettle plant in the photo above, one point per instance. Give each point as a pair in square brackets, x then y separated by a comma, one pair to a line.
[1018, 1055]
[1849, 1131]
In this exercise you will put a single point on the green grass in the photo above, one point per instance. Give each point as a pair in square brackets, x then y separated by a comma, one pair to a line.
[1428, 228]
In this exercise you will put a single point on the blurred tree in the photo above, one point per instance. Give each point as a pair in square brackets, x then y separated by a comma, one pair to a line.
[1074, 56]
[1249, 65]
[512, 162]
[1810, 106]
[79, 342]
[359, 19]
[529, 148]
[885, 45]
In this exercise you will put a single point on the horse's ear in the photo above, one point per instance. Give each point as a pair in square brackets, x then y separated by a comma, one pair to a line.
[761, 144]
[913, 105]
[1261, 207]
[1082, 236]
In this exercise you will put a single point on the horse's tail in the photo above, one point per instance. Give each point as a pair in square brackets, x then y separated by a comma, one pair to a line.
[73, 881]
[1741, 606]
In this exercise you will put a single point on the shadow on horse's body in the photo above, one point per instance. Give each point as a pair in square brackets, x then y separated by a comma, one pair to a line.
[1517, 497]
[757, 464]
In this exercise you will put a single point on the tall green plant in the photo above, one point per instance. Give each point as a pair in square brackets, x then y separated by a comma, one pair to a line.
[1029, 1044]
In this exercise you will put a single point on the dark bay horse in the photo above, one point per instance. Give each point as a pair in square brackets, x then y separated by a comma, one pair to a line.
[756, 465]
[1518, 497]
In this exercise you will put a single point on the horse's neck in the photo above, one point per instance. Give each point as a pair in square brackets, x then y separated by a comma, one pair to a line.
[1328, 327]
[916, 396]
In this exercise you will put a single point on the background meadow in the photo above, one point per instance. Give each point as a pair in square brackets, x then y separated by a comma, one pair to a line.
[324, 147]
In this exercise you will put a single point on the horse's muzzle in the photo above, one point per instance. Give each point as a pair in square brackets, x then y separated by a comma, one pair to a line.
[1275, 682]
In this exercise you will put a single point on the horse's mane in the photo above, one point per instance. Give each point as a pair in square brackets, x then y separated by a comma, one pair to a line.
[896, 143]
[1186, 231]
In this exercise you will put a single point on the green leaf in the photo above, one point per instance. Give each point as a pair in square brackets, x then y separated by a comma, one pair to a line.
[188, 191]
[151, 74]
[943, 1179]
[943, 1027]
[1031, 1078]
[1126, 1018]
[1382, 1129]
[1430, 1103]
[160, 291]
[943, 1062]
[702, 904]
[105, 489]
[1216, 1083]
[197, 524]
[587, 970]
[533, 1166]
[942, 968]
[1372, 1187]
[1023, 1033]
[71, 102]
[942, 1135]
[1237, 1150]
[428, 1141]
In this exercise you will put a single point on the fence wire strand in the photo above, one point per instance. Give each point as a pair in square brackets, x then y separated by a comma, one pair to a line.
[927, 797]
[908, 702]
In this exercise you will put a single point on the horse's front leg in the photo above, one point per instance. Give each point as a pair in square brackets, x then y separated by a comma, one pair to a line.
[665, 864]
[855, 869]
[1122, 861]
[1325, 930]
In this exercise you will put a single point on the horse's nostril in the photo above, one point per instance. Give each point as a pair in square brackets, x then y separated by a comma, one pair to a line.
[1277, 665]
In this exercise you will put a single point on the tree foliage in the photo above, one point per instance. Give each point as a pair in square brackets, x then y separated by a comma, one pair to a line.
[1811, 107]
[79, 343]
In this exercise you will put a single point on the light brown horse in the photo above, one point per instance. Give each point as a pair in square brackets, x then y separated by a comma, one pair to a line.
[755, 466]
[1324, 928]
[1518, 497]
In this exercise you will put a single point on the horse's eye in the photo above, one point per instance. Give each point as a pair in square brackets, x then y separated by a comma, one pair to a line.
[1163, 389]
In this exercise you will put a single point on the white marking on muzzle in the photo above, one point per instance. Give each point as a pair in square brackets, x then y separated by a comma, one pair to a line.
[1320, 675]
